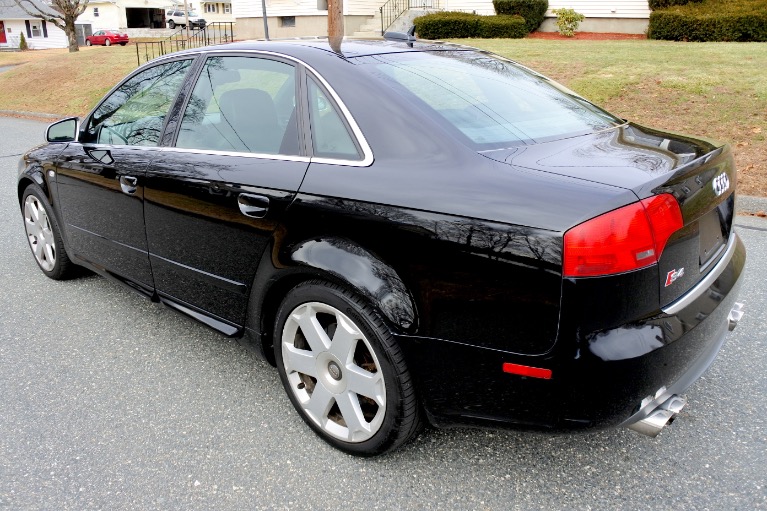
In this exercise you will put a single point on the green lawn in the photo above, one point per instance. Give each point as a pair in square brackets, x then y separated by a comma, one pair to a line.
[717, 90]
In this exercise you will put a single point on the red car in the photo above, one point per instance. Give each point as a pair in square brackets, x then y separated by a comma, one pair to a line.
[107, 38]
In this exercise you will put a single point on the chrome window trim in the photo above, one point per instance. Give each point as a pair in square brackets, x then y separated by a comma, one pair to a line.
[701, 287]
[279, 157]
[367, 152]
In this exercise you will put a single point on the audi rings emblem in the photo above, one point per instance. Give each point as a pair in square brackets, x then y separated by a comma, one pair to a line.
[721, 184]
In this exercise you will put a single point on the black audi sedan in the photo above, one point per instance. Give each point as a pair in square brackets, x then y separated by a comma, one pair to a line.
[411, 232]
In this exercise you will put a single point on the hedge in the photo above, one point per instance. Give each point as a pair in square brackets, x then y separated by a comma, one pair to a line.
[711, 20]
[532, 10]
[662, 4]
[454, 25]
[676, 26]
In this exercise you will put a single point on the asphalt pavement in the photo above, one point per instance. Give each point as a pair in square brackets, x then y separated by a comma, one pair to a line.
[108, 401]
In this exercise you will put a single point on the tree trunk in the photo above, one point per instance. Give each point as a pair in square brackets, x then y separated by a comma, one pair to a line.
[69, 29]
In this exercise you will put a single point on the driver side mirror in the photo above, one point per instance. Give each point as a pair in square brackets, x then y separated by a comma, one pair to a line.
[64, 130]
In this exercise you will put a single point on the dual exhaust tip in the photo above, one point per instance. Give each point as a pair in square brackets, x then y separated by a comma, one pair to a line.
[660, 417]
[664, 414]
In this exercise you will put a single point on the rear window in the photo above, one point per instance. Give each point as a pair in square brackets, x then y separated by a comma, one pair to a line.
[490, 102]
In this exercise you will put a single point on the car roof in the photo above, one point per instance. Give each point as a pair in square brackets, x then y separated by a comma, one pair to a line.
[348, 48]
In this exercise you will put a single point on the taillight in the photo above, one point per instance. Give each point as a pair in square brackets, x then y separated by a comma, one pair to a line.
[625, 239]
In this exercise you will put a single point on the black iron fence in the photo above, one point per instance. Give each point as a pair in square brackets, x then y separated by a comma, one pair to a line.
[213, 33]
[393, 9]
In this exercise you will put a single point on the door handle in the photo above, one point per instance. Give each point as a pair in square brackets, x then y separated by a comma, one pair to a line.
[128, 184]
[251, 205]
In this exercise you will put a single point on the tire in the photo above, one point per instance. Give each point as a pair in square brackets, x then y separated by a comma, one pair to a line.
[123, 44]
[107, 42]
[171, 24]
[44, 236]
[343, 370]
[88, 42]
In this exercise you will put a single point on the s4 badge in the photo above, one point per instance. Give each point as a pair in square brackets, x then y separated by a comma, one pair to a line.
[673, 275]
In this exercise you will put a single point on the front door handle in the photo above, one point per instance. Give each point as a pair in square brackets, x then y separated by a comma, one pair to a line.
[252, 205]
[128, 184]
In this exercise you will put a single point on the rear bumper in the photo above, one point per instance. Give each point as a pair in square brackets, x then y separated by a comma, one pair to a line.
[601, 378]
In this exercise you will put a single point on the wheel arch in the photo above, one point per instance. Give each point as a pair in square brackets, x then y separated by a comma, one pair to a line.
[336, 260]
[29, 177]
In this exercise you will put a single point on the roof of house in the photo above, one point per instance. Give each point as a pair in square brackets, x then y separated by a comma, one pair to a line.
[9, 10]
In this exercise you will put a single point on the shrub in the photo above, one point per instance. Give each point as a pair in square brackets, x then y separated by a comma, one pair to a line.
[449, 25]
[533, 11]
[568, 21]
[23, 46]
[503, 26]
[712, 20]
[662, 4]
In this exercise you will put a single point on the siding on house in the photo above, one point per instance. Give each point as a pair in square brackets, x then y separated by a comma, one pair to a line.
[56, 37]
[604, 8]
[252, 8]
[110, 16]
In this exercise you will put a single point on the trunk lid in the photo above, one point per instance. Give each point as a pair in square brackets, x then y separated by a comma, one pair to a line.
[700, 174]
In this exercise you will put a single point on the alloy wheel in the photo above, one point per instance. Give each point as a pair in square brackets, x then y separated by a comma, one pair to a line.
[333, 372]
[39, 233]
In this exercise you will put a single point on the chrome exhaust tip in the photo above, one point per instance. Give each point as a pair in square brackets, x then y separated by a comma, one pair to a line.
[735, 315]
[660, 417]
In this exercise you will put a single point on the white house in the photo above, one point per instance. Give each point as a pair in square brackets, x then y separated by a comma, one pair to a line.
[38, 34]
[293, 18]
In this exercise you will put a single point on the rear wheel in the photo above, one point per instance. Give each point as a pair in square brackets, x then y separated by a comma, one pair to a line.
[88, 42]
[107, 42]
[171, 24]
[343, 371]
[44, 236]
[123, 44]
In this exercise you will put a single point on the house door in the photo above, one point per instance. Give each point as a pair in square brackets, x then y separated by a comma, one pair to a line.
[2, 33]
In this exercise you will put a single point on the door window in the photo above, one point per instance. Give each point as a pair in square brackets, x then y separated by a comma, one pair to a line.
[242, 104]
[330, 136]
[134, 114]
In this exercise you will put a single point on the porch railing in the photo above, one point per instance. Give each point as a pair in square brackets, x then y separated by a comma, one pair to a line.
[393, 9]
[212, 33]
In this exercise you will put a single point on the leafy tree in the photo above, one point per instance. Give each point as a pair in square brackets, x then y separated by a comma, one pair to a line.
[61, 13]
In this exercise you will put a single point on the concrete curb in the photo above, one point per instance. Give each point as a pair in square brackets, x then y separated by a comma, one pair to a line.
[34, 114]
[750, 204]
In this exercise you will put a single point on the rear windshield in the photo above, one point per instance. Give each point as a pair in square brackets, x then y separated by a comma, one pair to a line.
[489, 102]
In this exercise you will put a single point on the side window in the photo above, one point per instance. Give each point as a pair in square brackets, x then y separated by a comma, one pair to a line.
[135, 112]
[330, 137]
[242, 104]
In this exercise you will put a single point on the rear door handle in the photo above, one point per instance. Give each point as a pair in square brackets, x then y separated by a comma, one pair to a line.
[128, 184]
[255, 206]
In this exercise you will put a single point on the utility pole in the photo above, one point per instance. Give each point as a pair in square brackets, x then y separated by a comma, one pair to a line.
[266, 25]
[186, 19]
[335, 19]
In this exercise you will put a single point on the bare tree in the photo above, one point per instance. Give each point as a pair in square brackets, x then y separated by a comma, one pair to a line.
[61, 13]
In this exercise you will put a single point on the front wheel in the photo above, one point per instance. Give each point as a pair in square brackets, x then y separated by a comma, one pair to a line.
[343, 370]
[44, 236]
[107, 43]
[171, 24]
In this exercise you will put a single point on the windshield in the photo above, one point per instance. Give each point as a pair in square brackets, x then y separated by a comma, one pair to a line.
[489, 102]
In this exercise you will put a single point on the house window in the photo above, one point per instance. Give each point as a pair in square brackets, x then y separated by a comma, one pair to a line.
[322, 5]
[227, 8]
[95, 12]
[211, 8]
[287, 21]
[36, 30]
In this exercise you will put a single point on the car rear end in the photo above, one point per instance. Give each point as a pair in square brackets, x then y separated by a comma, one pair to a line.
[649, 285]
[649, 292]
